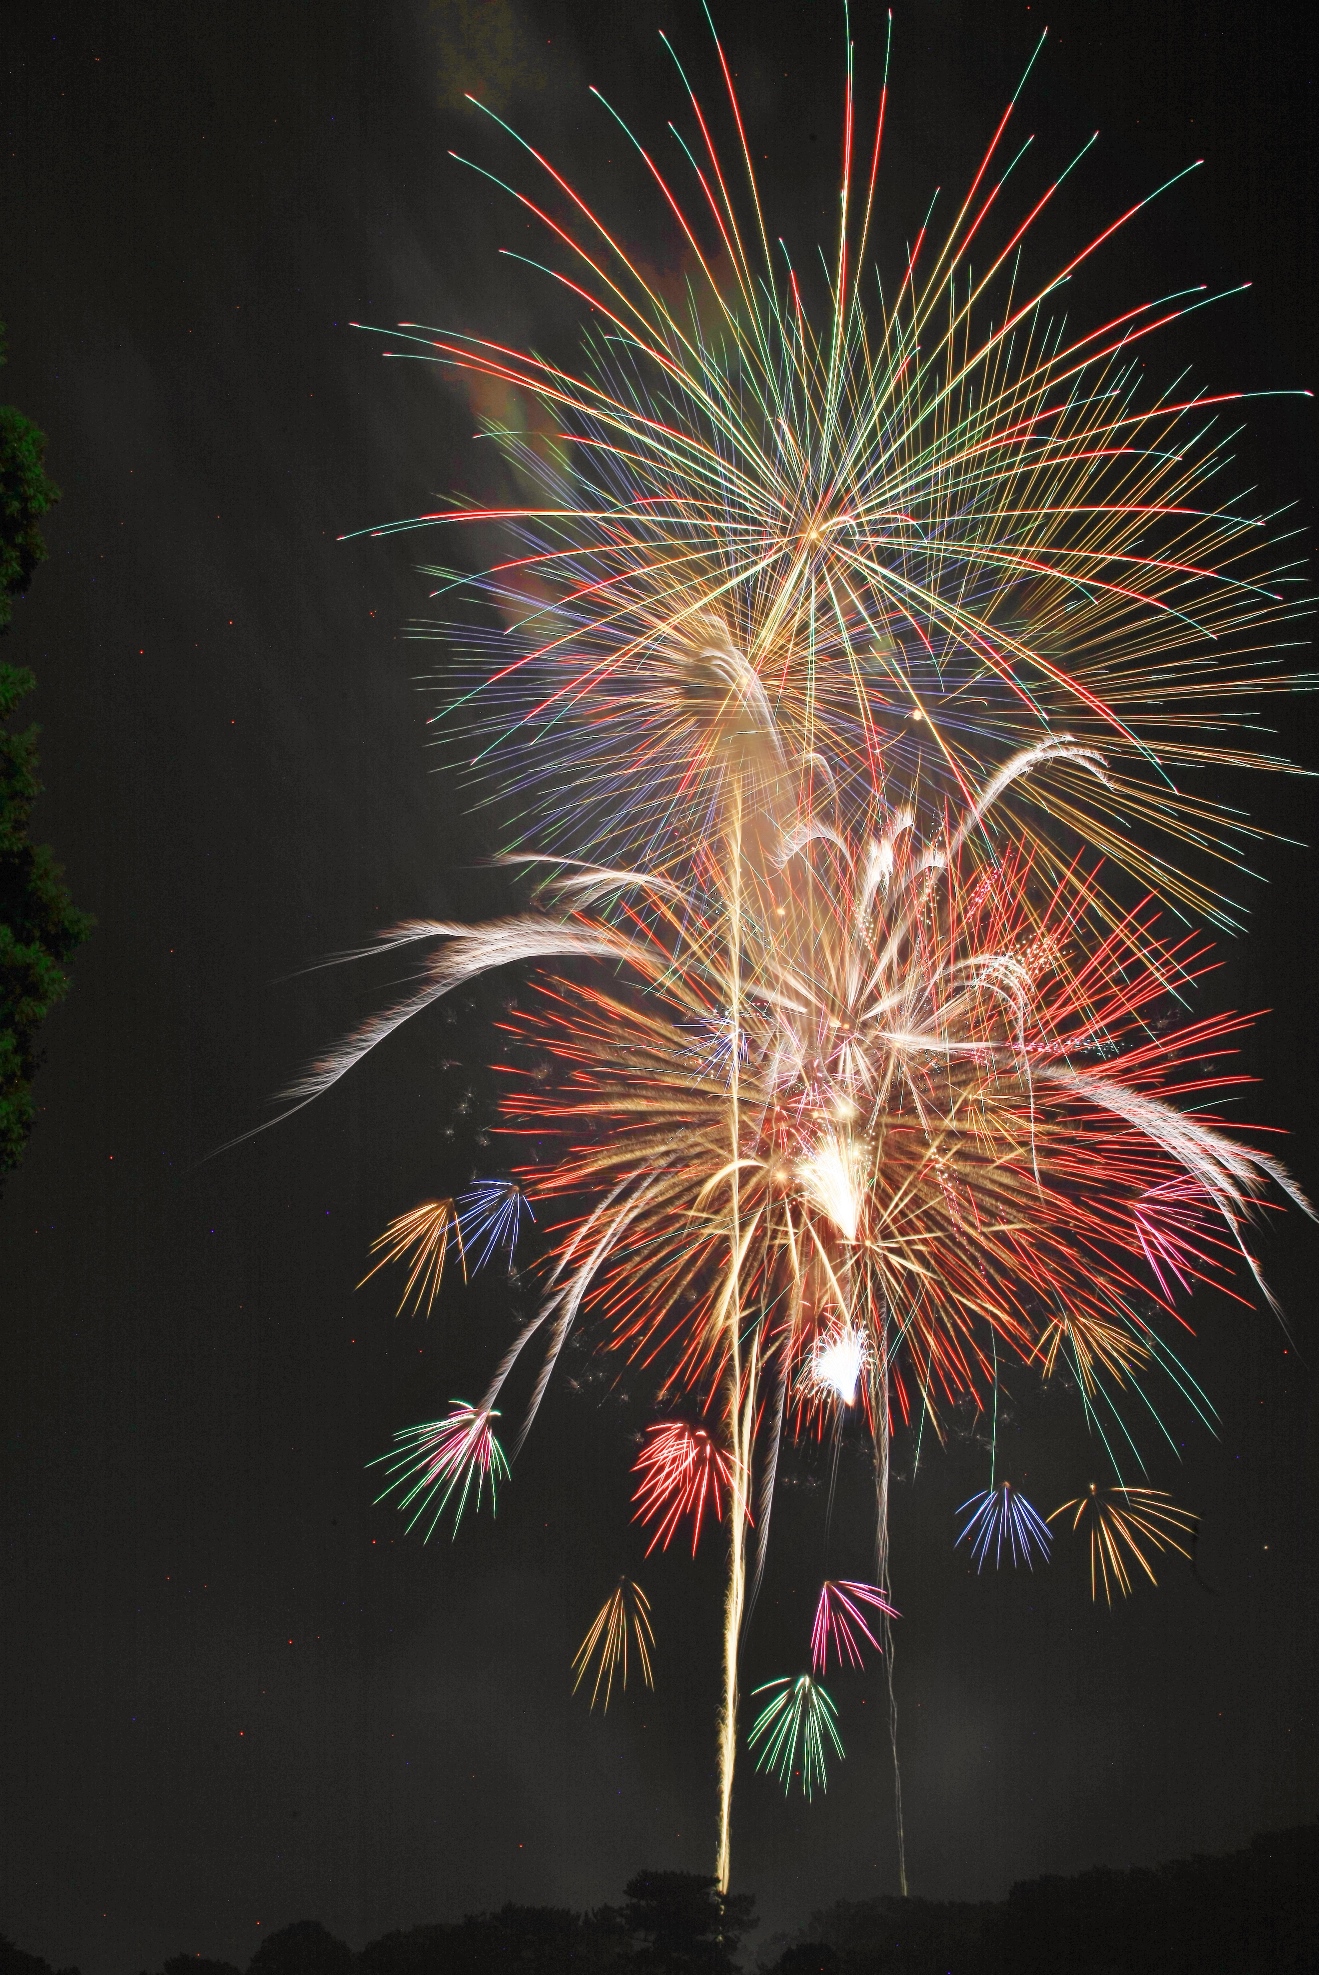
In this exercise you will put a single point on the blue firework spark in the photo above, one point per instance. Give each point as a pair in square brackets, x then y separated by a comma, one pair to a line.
[1000, 1515]
[490, 1217]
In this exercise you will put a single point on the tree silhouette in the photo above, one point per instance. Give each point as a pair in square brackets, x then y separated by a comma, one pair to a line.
[13, 1961]
[39, 924]
[196, 1964]
[685, 1923]
[303, 1948]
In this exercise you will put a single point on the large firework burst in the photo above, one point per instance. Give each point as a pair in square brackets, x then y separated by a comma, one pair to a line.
[861, 676]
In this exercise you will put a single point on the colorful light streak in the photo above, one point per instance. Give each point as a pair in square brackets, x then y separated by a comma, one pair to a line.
[490, 1217]
[624, 1615]
[797, 1727]
[1003, 1516]
[1122, 1526]
[860, 689]
[839, 1617]
[429, 1462]
[680, 1472]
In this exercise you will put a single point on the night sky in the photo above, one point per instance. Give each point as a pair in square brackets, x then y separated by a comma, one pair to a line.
[234, 1694]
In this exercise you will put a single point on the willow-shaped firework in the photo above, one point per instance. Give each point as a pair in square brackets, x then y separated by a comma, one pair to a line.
[440, 1464]
[1002, 1516]
[796, 1729]
[680, 1472]
[490, 1217]
[623, 1617]
[1123, 1526]
[840, 1616]
[419, 1239]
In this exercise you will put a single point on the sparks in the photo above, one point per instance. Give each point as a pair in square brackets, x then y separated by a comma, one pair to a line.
[797, 1727]
[861, 674]
[1002, 1515]
[623, 1617]
[680, 1472]
[840, 1617]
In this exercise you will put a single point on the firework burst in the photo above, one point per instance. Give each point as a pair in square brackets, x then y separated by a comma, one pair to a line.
[1003, 1516]
[680, 1472]
[846, 1610]
[861, 675]
[930, 532]
[490, 1217]
[797, 1728]
[942, 1113]
[624, 1617]
[430, 1462]
[420, 1240]
[1123, 1527]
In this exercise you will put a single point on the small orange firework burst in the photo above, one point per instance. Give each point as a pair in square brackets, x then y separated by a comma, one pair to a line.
[421, 1240]
[1126, 1524]
[624, 1616]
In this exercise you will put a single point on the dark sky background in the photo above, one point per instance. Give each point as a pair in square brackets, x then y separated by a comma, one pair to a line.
[233, 1693]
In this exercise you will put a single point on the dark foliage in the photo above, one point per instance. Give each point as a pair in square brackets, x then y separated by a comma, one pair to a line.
[304, 1948]
[1249, 1913]
[13, 1961]
[809, 1958]
[195, 1964]
[1254, 1912]
[673, 1922]
[682, 1922]
[39, 924]
[534, 1940]
[901, 1937]
[25, 495]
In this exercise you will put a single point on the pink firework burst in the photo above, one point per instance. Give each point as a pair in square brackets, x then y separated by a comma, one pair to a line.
[680, 1472]
[1170, 1226]
[839, 1617]
[442, 1461]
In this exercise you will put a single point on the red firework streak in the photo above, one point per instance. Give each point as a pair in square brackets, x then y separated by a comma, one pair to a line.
[680, 1472]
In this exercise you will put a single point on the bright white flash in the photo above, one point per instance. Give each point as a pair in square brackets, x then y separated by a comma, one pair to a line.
[832, 1175]
[838, 1362]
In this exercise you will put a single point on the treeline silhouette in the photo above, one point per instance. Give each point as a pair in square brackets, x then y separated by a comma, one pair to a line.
[1253, 1912]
